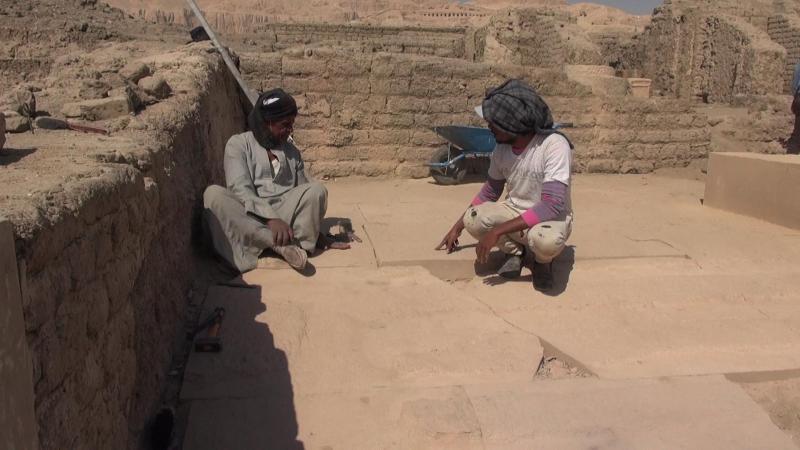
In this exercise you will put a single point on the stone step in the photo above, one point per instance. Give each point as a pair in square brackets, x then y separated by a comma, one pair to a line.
[702, 412]
[653, 317]
[355, 328]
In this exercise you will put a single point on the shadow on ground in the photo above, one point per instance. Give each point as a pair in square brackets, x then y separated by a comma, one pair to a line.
[562, 268]
[13, 155]
[248, 401]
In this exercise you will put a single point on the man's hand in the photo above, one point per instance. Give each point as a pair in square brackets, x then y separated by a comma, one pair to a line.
[281, 232]
[485, 246]
[450, 240]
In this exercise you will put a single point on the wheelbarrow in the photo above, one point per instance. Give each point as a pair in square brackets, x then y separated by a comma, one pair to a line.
[448, 165]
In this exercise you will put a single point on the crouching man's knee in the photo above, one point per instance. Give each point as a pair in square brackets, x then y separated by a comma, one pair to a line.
[478, 220]
[546, 242]
[473, 222]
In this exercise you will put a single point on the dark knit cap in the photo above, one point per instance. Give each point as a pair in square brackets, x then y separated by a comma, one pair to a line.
[270, 106]
[276, 104]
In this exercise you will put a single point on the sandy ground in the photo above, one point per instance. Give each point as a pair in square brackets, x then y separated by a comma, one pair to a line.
[672, 326]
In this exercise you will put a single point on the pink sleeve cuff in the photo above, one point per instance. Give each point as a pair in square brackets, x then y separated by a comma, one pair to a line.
[477, 201]
[530, 218]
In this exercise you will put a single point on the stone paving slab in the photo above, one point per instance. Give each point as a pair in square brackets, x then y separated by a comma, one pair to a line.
[658, 318]
[680, 413]
[406, 230]
[387, 355]
[359, 255]
[412, 418]
[616, 218]
[354, 328]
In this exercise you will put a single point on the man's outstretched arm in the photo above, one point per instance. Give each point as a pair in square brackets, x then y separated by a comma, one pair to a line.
[490, 192]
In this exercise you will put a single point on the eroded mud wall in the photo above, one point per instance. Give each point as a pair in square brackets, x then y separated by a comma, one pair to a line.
[697, 55]
[107, 262]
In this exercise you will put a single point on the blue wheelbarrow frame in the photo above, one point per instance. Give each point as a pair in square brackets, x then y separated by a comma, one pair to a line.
[463, 142]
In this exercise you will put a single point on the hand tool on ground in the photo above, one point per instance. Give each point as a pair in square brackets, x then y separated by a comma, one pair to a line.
[51, 123]
[347, 228]
[212, 341]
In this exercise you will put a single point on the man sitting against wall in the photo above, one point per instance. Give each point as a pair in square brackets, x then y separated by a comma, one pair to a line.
[269, 202]
[793, 143]
[532, 162]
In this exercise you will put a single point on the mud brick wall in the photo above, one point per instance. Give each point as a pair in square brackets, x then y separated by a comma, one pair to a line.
[527, 38]
[443, 42]
[107, 262]
[631, 135]
[371, 114]
[717, 57]
[785, 31]
[14, 71]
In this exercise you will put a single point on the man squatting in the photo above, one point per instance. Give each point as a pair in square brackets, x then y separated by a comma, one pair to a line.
[532, 161]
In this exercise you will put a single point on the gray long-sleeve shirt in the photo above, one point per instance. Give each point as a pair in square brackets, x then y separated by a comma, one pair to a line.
[251, 177]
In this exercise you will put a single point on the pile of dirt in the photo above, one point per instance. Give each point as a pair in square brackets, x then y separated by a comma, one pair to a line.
[36, 32]
[554, 368]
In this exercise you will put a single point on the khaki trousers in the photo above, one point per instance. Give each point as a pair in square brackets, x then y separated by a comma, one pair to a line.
[239, 238]
[546, 240]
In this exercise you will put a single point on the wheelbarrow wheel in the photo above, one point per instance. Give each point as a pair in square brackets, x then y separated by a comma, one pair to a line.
[452, 174]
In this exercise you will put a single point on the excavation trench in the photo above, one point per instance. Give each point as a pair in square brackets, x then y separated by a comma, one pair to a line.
[107, 253]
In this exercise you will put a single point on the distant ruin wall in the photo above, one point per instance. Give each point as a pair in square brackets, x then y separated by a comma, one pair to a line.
[525, 38]
[754, 12]
[106, 266]
[371, 114]
[785, 31]
[707, 57]
[443, 42]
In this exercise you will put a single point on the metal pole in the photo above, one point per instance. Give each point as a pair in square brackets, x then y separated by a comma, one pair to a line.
[224, 52]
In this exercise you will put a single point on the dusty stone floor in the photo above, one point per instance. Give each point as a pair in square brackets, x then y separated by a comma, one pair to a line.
[673, 326]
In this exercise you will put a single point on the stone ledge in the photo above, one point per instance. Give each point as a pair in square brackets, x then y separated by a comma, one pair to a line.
[760, 186]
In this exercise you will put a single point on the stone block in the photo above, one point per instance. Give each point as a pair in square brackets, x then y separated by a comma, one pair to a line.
[654, 136]
[637, 166]
[407, 104]
[318, 106]
[411, 170]
[382, 137]
[349, 67]
[390, 87]
[602, 166]
[640, 87]
[156, 86]
[387, 66]
[101, 109]
[15, 123]
[291, 66]
[760, 186]
[393, 120]
[94, 89]
[135, 71]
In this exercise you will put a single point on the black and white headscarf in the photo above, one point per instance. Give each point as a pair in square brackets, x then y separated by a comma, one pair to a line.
[517, 109]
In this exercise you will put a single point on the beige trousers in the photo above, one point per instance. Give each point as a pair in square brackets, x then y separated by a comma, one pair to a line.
[239, 238]
[546, 240]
